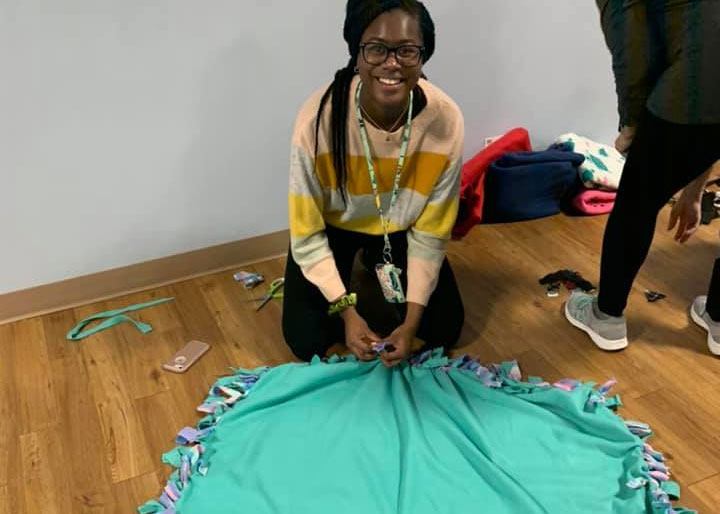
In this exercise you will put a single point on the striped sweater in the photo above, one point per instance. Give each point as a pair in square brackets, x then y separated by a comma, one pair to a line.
[427, 204]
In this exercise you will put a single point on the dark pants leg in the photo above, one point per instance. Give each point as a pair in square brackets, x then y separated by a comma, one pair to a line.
[444, 315]
[663, 159]
[308, 329]
[713, 296]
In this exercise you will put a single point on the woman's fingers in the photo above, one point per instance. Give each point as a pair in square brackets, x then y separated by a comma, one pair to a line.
[680, 229]
[395, 356]
[362, 350]
[688, 233]
[391, 359]
[673, 218]
[392, 355]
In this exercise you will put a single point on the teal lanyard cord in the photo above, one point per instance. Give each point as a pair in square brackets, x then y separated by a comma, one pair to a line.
[384, 218]
[113, 318]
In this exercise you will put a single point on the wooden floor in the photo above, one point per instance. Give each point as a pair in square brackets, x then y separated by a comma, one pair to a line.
[83, 425]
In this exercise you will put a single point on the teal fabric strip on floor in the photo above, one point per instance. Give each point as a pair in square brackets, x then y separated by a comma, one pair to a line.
[434, 436]
[112, 318]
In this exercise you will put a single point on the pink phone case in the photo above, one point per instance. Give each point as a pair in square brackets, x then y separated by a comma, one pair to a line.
[186, 357]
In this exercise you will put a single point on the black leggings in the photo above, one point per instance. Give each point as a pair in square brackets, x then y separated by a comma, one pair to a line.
[308, 329]
[663, 158]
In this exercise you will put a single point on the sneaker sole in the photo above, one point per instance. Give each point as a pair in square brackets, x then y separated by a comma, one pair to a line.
[712, 345]
[609, 345]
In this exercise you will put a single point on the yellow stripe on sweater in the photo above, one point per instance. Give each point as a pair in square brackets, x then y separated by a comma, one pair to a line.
[305, 216]
[438, 218]
[421, 173]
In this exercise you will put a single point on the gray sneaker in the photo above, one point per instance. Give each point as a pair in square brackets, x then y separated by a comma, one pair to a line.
[608, 334]
[700, 316]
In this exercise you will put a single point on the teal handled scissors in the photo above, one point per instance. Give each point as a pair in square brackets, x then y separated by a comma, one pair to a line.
[273, 293]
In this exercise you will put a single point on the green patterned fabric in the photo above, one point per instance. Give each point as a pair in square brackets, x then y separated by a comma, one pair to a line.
[603, 164]
[433, 436]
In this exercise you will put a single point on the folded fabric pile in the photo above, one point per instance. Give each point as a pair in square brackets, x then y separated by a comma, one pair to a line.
[472, 187]
[594, 202]
[600, 173]
[500, 184]
[528, 185]
[432, 436]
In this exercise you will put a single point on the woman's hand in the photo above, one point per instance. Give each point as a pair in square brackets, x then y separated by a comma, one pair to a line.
[403, 337]
[625, 139]
[358, 336]
[686, 213]
[405, 344]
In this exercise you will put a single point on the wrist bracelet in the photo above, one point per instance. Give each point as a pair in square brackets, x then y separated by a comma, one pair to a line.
[345, 302]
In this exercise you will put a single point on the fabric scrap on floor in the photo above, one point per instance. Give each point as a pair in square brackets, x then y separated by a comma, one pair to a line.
[433, 435]
[248, 280]
[571, 279]
[113, 318]
[654, 296]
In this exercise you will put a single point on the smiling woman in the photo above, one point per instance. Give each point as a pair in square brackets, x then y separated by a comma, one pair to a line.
[388, 87]
[375, 167]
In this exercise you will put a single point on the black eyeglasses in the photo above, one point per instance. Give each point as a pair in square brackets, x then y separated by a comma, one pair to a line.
[376, 54]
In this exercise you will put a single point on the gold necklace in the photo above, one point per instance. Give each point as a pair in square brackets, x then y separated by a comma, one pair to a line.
[392, 128]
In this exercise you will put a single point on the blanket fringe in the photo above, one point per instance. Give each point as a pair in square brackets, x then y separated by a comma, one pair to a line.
[188, 461]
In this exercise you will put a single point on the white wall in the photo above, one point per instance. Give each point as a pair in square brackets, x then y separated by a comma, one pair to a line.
[137, 129]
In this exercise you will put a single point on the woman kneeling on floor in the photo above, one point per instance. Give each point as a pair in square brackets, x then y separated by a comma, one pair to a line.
[375, 167]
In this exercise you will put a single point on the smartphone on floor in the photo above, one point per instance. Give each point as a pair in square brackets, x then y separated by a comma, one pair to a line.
[186, 356]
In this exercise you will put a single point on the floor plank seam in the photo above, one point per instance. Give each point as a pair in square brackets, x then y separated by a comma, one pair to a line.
[693, 484]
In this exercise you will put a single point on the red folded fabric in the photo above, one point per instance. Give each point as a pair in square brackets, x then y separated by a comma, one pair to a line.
[472, 187]
[593, 202]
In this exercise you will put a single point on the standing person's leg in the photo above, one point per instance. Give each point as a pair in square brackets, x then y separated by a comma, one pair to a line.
[659, 164]
[663, 159]
[713, 295]
[307, 327]
[704, 311]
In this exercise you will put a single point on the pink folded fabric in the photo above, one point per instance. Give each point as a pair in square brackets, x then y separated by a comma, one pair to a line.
[594, 202]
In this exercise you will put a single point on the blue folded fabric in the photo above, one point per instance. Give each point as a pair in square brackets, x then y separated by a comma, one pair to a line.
[528, 185]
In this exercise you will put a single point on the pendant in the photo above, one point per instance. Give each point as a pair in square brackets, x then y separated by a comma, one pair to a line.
[389, 278]
[388, 138]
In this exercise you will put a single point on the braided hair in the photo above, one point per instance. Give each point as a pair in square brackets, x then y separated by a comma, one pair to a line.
[359, 15]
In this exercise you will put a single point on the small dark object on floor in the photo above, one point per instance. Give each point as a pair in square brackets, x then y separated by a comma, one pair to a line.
[553, 290]
[249, 280]
[654, 296]
[569, 278]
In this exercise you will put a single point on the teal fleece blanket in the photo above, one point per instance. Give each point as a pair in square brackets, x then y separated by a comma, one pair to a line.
[432, 436]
